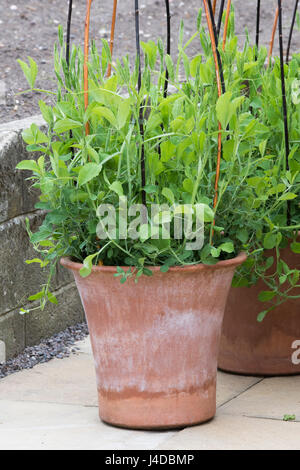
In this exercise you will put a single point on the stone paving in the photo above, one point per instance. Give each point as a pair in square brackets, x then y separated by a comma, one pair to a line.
[54, 406]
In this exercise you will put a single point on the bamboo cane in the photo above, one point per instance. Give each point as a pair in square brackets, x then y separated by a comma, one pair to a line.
[273, 36]
[226, 23]
[86, 58]
[212, 38]
[291, 31]
[68, 40]
[168, 44]
[212, 19]
[141, 117]
[257, 27]
[69, 31]
[220, 17]
[214, 7]
[112, 34]
[284, 103]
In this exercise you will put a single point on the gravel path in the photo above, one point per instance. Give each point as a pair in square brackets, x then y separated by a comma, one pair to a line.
[29, 27]
[60, 346]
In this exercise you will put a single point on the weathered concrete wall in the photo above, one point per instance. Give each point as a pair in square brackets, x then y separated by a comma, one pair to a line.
[17, 279]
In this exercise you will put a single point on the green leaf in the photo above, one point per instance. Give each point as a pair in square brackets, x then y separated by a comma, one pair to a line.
[37, 296]
[170, 67]
[46, 112]
[165, 268]
[215, 252]
[30, 71]
[188, 185]
[65, 125]
[194, 65]
[35, 260]
[150, 50]
[123, 113]
[270, 241]
[227, 247]
[295, 247]
[116, 186]
[168, 150]
[168, 193]
[52, 298]
[87, 265]
[28, 165]
[226, 108]
[147, 272]
[289, 418]
[106, 113]
[243, 235]
[34, 135]
[150, 189]
[261, 316]
[265, 296]
[288, 197]
[88, 172]
[208, 213]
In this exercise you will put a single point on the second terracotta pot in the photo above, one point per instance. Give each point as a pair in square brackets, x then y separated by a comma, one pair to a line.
[268, 348]
[155, 343]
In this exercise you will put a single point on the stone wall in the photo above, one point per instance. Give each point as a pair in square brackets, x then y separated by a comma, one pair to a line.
[17, 279]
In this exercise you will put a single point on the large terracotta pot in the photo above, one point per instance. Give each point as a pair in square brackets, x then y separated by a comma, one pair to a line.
[267, 348]
[155, 343]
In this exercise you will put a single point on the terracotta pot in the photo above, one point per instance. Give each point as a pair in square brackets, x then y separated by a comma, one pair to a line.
[155, 343]
[252, 348]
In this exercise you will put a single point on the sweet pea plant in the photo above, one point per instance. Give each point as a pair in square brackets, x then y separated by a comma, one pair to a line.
[257, 206]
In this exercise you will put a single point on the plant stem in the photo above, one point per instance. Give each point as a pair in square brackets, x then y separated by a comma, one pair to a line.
[291, 31]
[284, 104]
[86, 57]
[226, 23]
[112, 34]
[273, 36]
[141, 117]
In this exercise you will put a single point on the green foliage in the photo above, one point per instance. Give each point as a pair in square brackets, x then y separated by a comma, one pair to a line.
[75, 172]
[30, 71]
[289, 418]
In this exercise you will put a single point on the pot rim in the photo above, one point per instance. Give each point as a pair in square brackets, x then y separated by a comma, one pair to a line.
[234, 262]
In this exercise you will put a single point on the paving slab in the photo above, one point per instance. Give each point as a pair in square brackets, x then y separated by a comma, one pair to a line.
[228, 432]
[271, 398]
[45, 426]
[72, 381]
[65, 381]
[230, 386]
[54, 406]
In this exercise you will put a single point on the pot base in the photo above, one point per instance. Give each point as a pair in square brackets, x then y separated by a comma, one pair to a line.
[276, 368]
[175, 411]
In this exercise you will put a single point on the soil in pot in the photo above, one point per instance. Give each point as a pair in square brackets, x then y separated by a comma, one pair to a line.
[156, 342]
[267, 348]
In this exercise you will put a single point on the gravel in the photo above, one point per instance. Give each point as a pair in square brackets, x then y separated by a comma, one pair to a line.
[60, 346]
